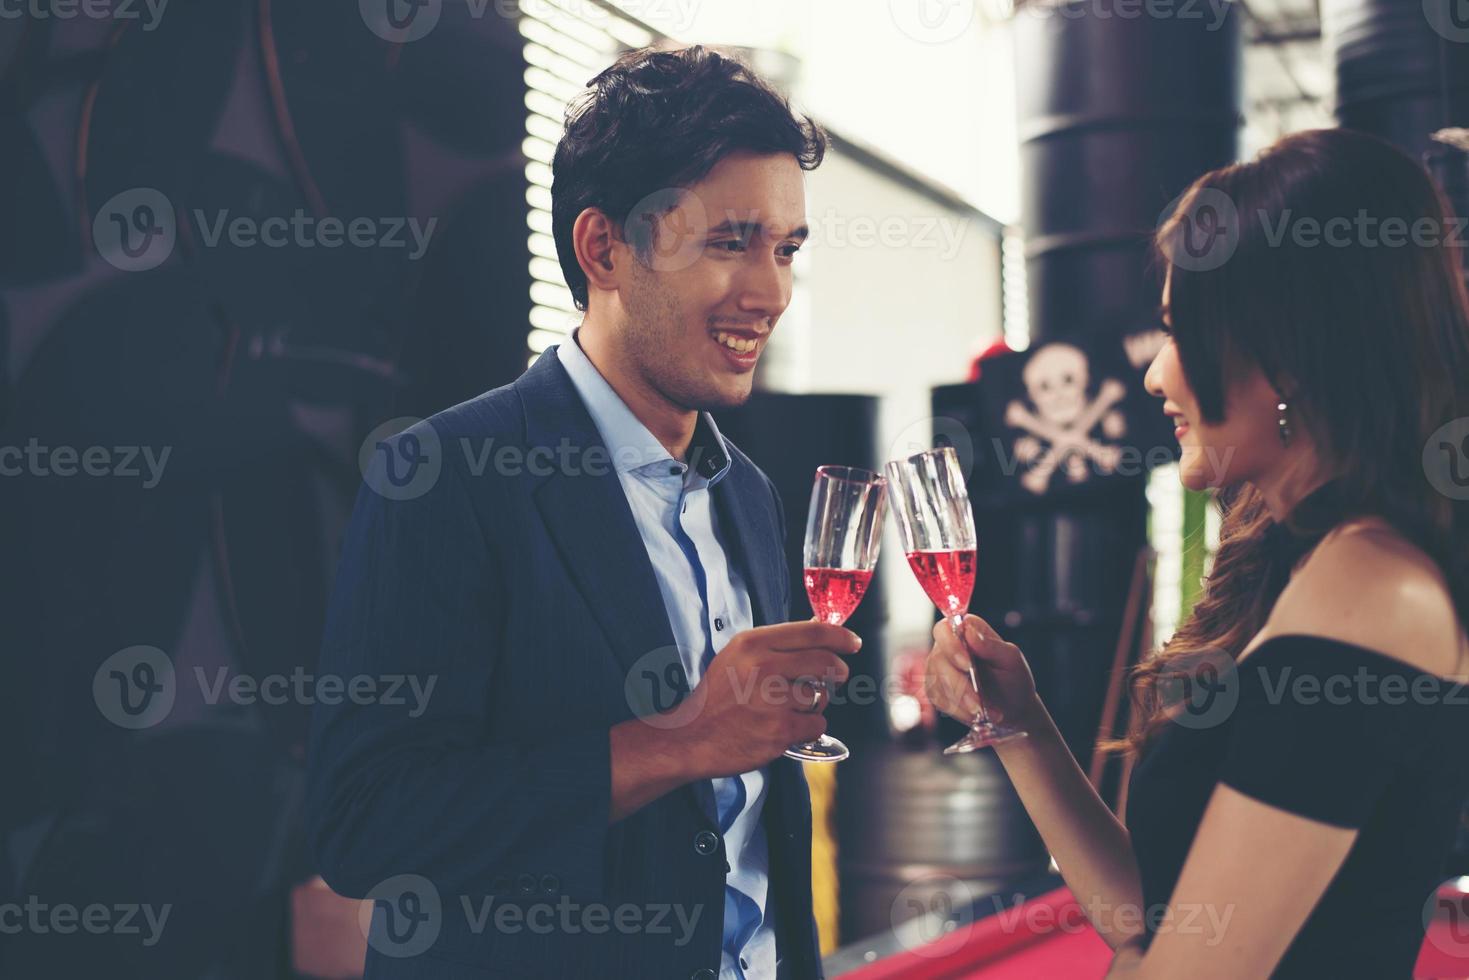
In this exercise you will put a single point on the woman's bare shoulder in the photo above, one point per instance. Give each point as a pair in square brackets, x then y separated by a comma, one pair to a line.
[1367, 584]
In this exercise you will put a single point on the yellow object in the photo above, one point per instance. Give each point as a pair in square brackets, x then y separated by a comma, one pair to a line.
[822, 778]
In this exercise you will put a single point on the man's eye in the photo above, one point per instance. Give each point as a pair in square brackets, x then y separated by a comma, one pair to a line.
[733, 245]
[789, 250]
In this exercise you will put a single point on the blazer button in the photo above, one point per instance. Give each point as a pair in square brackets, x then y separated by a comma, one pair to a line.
[550, 884]
[526, 884]
[706, 842]
[705, 974]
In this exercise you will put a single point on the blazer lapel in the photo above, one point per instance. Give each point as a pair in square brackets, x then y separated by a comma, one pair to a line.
[587, 516]
[747, 518]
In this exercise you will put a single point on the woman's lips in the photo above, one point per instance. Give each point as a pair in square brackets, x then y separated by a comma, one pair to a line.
[1179, 430]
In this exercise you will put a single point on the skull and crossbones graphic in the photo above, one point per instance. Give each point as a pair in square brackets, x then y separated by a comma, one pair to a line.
[1056, 378]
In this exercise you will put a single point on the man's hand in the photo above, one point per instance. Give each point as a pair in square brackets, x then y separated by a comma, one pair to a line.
[754, 701]
[758, 696]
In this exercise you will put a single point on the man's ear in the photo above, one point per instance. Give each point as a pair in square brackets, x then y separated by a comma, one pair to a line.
[596, 240]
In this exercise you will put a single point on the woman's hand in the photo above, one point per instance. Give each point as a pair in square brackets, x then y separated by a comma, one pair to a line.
[1004, 676]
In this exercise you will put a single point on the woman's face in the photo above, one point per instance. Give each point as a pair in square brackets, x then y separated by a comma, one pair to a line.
[1242, 447]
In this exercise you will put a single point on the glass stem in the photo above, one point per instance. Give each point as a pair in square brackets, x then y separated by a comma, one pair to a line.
[982, 718]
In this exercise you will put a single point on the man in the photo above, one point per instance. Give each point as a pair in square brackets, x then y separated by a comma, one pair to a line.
[594, 579]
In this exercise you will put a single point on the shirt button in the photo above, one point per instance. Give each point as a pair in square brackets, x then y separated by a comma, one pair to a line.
[718, 623]
[744, 963]
[706, 842]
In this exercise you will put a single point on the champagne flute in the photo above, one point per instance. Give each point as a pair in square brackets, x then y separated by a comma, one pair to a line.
[843, 531]
[936, 526]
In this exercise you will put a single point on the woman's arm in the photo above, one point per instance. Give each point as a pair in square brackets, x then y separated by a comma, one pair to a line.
[1087, 840]
[1090, 845]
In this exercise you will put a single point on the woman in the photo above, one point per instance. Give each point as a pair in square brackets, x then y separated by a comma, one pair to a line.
[1300, 742]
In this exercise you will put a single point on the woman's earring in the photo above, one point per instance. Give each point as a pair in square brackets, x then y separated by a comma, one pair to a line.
[1284, 423]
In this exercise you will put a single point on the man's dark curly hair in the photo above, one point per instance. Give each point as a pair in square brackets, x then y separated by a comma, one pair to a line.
[663, 119]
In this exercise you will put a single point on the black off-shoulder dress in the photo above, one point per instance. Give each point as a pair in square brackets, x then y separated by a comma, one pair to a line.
[1337, 733]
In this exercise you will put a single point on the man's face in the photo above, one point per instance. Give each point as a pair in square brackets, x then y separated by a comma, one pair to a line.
[702, 302]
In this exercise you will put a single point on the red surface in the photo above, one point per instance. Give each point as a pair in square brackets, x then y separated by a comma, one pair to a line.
[1048, 937]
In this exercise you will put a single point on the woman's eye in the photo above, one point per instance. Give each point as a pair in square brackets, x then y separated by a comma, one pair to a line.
[789, 251]
[733, 245]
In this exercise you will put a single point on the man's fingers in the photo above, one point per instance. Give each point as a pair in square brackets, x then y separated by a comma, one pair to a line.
[788, 637]
[810, 663]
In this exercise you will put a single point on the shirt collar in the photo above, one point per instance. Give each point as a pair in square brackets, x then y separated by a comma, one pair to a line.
[632, 446]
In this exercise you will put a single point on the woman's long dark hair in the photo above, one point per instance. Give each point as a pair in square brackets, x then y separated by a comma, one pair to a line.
[1371, 337]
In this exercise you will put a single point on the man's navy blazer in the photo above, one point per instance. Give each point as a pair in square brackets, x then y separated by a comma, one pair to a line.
[493, 554]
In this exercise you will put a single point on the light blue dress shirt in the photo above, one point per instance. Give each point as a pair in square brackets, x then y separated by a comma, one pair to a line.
[707, 604]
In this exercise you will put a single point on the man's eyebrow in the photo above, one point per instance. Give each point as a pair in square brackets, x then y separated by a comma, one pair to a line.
[754, 229]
